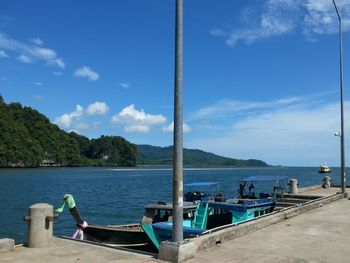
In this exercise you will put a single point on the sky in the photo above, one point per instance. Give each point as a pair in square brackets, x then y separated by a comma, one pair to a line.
[261, 77]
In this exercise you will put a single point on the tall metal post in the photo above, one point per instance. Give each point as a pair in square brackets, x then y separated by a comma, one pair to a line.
[178, 129]
[342, 135]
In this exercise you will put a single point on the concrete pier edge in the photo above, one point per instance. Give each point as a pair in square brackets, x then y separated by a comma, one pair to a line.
[177, 251]
[235, 231]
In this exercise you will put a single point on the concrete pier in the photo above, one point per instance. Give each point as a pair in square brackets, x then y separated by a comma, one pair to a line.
[70, 251]
[319, 235]
[317, 232]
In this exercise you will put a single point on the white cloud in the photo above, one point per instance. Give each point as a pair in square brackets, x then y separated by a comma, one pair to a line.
[3, 54]
[37, 41]
[74, 120]
[281, 17]
[29, 53]
[37, 83]
[137, 120]
[295, 133]
[124, 85]
[137, 128]
[321, 17]
[25, 59]
[97, 108]
[86, 72]
[170, 128]
[67, 119]
[225, 108]
[83, 126]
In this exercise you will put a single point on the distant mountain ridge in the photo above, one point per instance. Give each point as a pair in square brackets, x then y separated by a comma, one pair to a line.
[154, 155]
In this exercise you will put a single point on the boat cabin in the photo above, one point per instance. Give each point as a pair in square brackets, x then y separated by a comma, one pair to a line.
[163, 212]
[203, 191]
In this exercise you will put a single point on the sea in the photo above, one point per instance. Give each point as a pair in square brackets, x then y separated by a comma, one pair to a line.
[116, 196]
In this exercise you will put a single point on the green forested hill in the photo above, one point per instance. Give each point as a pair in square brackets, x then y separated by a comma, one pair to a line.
[152, 155]
[28, 139]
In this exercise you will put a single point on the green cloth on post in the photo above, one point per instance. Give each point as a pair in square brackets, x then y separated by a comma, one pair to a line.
[67, 200]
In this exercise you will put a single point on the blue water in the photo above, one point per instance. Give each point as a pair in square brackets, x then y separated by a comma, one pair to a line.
[111, 196]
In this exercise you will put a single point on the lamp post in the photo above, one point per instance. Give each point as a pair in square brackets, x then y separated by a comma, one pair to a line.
[341, 135]
[178, 129]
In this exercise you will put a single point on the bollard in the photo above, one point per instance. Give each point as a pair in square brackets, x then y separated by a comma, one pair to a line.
[39, 225]
[326, 182]
[293, 186]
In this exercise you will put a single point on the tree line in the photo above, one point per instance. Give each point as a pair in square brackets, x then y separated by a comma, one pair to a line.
[28, 139]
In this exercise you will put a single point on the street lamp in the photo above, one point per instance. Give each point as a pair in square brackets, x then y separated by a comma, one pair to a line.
[341, 134]
[177, 231]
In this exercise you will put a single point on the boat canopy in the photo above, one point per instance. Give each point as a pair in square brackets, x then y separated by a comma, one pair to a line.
[261, 178]
[202, 184]
[169, 206]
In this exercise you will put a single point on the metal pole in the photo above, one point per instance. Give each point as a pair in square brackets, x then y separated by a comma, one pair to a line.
[342, 135]
[178, 129]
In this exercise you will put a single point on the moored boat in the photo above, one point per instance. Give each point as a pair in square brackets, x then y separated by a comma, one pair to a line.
[213, 213]
[133, 236]
[212, 216]
[324, 168]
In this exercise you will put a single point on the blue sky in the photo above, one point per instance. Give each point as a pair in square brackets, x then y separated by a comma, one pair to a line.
[261, 78]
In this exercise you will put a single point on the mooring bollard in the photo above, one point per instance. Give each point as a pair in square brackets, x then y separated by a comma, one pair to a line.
[40, 225]
[326, 182]
[293, 186]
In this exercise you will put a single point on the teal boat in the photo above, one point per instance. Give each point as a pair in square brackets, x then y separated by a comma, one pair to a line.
[214, 211]
[211, 215]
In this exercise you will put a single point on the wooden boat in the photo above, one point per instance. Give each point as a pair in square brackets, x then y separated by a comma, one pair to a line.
[213, 212]
[127, 236]
[324, 168]
[212, 216]
[133, 236]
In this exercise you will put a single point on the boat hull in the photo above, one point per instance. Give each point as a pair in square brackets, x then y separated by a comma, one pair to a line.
[127, 236]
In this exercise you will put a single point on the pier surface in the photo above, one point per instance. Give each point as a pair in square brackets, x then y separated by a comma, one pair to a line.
[70, 251]
[319, 235]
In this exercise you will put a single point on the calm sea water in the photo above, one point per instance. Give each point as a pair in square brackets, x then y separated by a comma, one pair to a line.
[112, 196]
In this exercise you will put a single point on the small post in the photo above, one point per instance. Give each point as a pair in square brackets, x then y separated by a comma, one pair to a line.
[6, 245]
[326, 182]
[293, 186]
[40, 225]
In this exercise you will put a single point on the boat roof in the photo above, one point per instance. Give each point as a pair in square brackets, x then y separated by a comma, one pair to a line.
[169, 206]
[260, 178]
[243, 204]
[202, 184]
